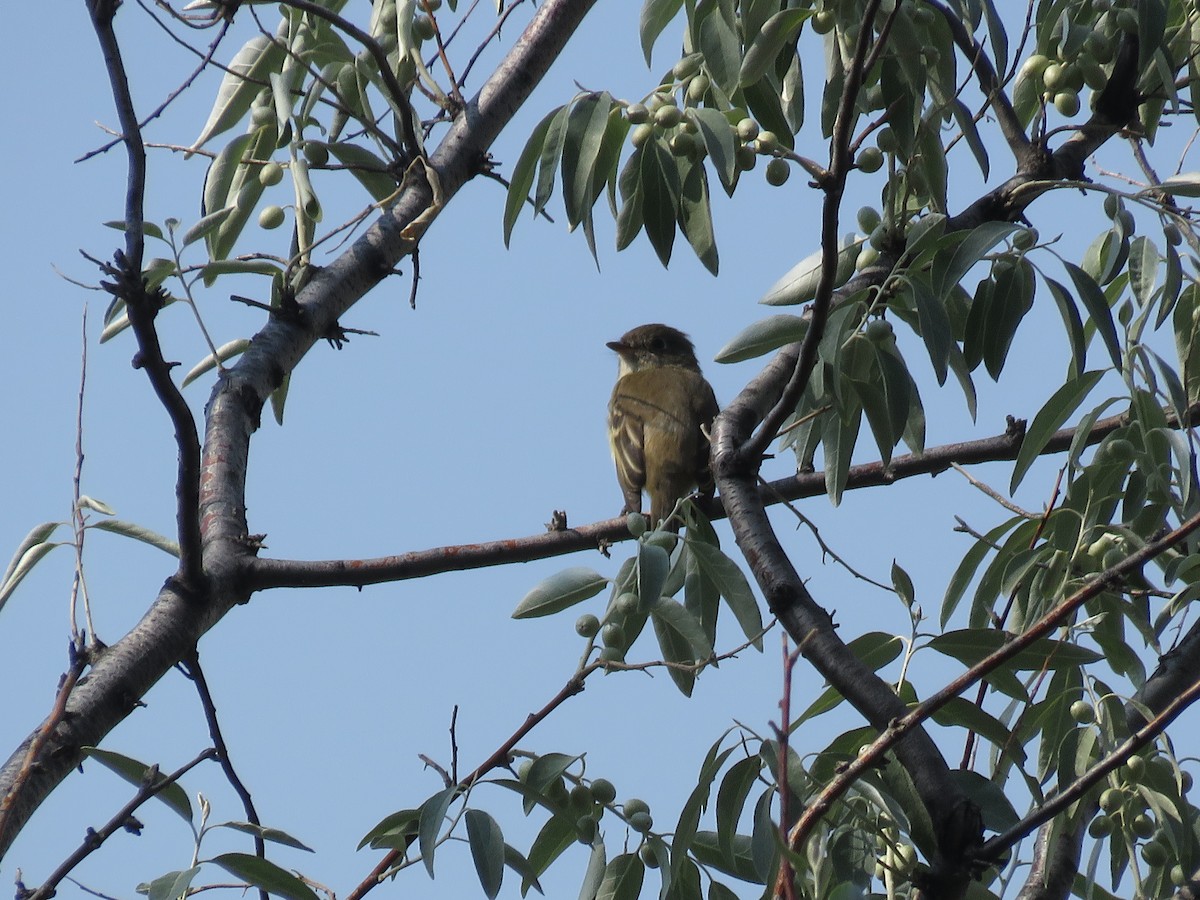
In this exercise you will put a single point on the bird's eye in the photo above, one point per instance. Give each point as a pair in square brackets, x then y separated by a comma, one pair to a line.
[658, 344]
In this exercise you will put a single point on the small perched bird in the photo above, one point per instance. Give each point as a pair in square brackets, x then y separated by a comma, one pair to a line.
[658, 419]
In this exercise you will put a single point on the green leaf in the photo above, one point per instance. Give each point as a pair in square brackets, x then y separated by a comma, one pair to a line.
[487, 850]
[656, 15]
[1097, 306]
[720, 144]
[225, 353]
[972, 645]
[586, 125]
[672, 616]
[1143, 269]
[767, 44]
[31, 549]
[622, 878]
[1186, 184]
[549, 156]
[429, 826]
[763, 336]
[1072, 323]
[731, 582]
[554, 838]
[371, 171]
[799, 285]
[206, 224]
[394, 830]
[653, 564]
[706, 849]
[1049, 419]
[1011, 299]
[138, 533]
[695, 217]
[936, 331]
[875, 649]
[950, 266]
[965, 714]
[721, 47]
[252, 63]
[274, 835]
[731, 800]
[965, 573]
[170, 886]
[560, 591]
[264, 874]
[138, 773]
[660, 197]
[521, 179]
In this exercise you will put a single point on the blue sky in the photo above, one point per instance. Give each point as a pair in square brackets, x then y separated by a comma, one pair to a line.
[468, 419]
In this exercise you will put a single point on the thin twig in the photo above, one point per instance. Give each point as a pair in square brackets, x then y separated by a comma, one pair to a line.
[154, 784]
[993, 493]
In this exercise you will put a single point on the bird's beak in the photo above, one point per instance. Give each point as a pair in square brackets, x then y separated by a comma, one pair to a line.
[618, 347]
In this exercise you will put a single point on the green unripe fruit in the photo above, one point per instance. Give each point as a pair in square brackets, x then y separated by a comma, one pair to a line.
[641, 822]
[1155, 854]
[879, 330]
[613, 635]
[1067, 102]
[1142, 825]
[1035, 67]
[1125, 220]
[747, 129]
[262, 115]
[603, 791]
[1172, 234]
[585, 829]
[1185, 782]
[868, 219]
[1112, 205]
[627, 604]
[1127, 20]
[886, 140]
[923, 16]
[1055, 77]
[581, 798]
[682, 144]
[1178, 876]
[641, 134]
[767, 142]
[633, 806]
[524, 769]
[823, 22]
[1083, 712]
[648, 856]
[1119, 450]
[636, 523]
[271, 217]
[867, 257]
[697, 88]
[587, 626]
[747, 159]
[637, 113]
[687, 67]
[1100, 827]
[316, 153]
[270, 174]
[668, 116]
[612, 654]
[1111, 799]
[778, 172]
[1135, 769]
[870, 159]
[1025, 239]
[423, 28]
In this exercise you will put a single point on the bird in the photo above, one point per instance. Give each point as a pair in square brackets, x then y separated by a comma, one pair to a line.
[659, 419]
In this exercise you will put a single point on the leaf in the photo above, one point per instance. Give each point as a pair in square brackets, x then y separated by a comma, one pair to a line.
[653, 564]
[555, 837]
[560, 591]
[770, 40]
[695, 217]
[267, 834]
[594, 874]
[1143, 269]
[799, 285]
[622, 878]
[1097, 306]
[731, 582]
[170, 886]
[965, 573]
[138, 533]
[936, 331]
[521, 179]
[1049, 419]
[656, 14]
[1073, 324]
[31, 549]
[672, 615]
[548, 158]
[206, 224]
[970, 646]
[393, 830]
[225, 353]
[371, 171]
[951, 266]
[660, 197]
[762, 337]
[264, 874]
[721, 47]
[257, 57]
[719, 142]
[731, 800]
[138, 773]
[586, 125]
[1186, 184]
[432, 818]
[487, 850]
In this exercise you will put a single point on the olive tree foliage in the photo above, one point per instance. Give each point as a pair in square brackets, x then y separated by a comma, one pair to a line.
[1072, 623]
